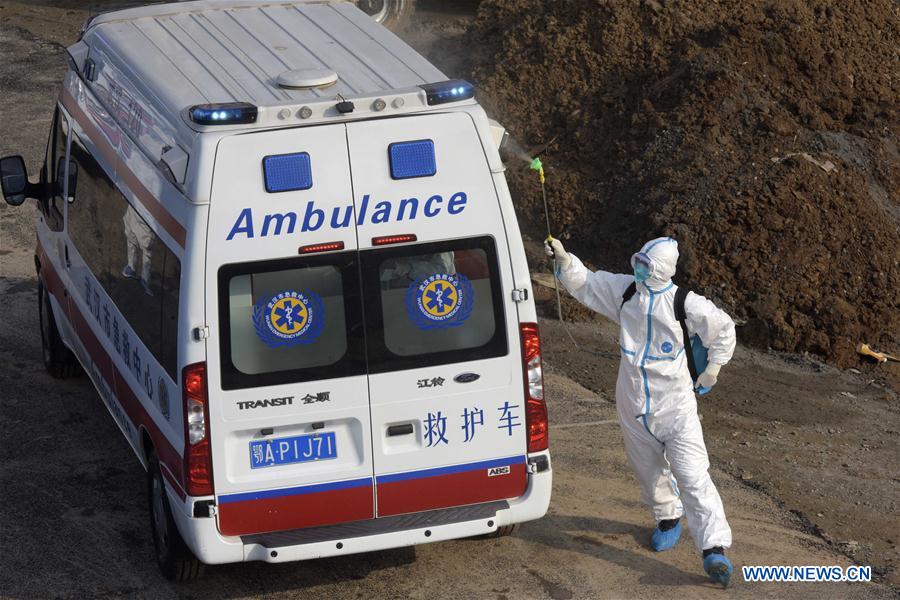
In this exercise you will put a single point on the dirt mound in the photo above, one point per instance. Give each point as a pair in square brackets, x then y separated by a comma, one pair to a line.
[763, 135]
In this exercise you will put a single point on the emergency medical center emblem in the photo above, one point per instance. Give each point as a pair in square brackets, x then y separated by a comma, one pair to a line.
[289, 318]
[439, 300]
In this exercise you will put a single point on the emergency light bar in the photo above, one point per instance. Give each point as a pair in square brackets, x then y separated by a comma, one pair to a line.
[453, 90]
[228, 113]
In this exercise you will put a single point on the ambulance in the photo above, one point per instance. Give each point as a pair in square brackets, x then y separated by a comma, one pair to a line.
[281, 245]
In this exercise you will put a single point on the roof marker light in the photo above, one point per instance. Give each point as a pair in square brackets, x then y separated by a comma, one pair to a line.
[229, 113]
[453, 90]
[326, 247]
[385, 240]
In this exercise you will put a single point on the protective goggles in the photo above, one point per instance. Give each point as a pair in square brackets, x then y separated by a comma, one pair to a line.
[641, 258]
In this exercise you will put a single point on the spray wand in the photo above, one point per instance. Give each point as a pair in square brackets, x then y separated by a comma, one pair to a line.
[537, 165]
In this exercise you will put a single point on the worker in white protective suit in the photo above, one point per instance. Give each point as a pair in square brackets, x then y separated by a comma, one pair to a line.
[655, 397]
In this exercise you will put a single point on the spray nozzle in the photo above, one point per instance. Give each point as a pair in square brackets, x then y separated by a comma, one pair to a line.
[536, 165]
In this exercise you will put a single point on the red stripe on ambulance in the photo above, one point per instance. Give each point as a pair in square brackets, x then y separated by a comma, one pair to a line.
[480, 484]
[308, 506]
[137, 414]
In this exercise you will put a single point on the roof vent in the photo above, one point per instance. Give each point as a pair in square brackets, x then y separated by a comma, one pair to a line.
[307, 78]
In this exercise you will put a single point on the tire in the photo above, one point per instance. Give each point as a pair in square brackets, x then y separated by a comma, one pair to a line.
[503, 531]
[59, 361]
[393, 14]
[175, 559]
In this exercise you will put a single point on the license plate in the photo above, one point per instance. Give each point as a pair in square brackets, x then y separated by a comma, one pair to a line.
[290, 450]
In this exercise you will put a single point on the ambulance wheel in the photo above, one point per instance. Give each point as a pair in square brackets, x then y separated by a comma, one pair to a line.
[503, 531]
[393, 14]
[58, 359]
[175, 559]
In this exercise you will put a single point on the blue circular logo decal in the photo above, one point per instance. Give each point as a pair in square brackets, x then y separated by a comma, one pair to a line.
[289, 318]
[439, 300]
[667, 346]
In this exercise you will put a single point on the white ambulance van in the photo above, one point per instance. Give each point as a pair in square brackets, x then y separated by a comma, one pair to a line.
[281, 245]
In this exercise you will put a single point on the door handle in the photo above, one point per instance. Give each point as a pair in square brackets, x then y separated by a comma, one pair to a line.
[68, 262]
[404, 429]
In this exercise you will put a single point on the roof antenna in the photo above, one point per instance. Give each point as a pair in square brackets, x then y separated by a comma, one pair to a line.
[344, 106]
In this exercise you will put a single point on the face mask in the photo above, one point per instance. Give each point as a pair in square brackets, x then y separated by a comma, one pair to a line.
[641, 272]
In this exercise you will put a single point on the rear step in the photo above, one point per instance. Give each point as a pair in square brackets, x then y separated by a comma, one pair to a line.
[432, 518]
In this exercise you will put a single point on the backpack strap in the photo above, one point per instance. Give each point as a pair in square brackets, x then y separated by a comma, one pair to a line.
[627, 295]
[680, 314]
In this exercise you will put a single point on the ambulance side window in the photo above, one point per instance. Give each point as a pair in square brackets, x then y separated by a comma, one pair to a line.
[54, 172]
[431, 304]
[137, 258]
[91, 214]
[134, 266]
[171, 284]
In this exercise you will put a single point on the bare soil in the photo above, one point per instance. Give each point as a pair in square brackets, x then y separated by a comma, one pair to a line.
[763, 135]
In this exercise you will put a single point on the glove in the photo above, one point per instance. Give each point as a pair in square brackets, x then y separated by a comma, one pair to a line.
[708, 378]
[554, 249]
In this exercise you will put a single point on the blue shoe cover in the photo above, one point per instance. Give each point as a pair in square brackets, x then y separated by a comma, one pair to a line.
[665, 540]
[719, 569]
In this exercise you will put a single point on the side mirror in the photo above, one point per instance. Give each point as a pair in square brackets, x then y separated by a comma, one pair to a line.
[14, 179]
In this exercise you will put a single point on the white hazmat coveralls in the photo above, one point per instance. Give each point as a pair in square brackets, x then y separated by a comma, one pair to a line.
[654, 392]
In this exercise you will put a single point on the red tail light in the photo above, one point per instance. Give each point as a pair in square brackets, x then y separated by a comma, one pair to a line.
[535, 407]
[197, 457]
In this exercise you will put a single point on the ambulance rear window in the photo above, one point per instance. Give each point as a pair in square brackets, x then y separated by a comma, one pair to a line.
[290, 320]
[431, 304]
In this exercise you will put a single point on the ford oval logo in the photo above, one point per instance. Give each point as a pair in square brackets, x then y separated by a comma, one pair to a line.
[466, 377]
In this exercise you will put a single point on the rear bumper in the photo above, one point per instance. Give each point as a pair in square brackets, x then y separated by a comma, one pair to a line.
[203, 537]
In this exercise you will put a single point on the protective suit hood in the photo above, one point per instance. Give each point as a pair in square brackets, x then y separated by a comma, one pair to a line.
[663, 255]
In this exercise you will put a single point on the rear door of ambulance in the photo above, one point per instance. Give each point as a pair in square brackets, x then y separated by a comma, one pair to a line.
[288, 393]
[442, 334]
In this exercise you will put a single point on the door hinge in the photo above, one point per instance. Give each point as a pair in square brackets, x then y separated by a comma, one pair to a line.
[520, 295]
[201, 333]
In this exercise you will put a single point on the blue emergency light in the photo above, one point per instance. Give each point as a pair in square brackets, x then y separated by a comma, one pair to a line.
[448, 91]
[287, 172]
[229, 113]
[412, 159]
